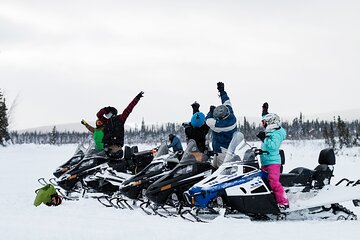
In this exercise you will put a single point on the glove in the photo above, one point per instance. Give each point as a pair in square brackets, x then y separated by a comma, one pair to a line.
[261, 135]
[220, 87]
[212, 107]
[185, 124]
[83, 122]
[140, 95]
[195, 106]
[265, 107]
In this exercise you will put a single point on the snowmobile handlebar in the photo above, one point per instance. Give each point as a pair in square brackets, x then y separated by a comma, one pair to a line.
[258, 151]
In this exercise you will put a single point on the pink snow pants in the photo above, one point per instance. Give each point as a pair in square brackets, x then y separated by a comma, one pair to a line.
[273, 171]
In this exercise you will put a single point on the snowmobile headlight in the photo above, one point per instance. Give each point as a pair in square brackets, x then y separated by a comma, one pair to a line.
[137, 183]
[73, 176]
[166, 187]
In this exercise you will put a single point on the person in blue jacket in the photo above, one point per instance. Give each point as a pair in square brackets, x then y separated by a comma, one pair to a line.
[271, 139]
[223, 123]
[175, 143]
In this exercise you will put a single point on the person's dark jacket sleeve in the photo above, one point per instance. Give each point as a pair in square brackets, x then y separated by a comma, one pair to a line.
[128, 109]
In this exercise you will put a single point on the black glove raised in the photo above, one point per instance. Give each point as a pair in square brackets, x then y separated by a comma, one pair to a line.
[140, 95]
[195, 106]
[265, 108]
[83, 122]
[212, 108]
[261, 135]
[220, 86]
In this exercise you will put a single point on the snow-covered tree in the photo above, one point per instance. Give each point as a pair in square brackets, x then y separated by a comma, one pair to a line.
[4, 134]
[54, 135]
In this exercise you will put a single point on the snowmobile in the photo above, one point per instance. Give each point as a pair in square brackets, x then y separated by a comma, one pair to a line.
[110, 177]
[75, 159]
[92, 162]
[239, 188]
[135, 187]
[168, 190]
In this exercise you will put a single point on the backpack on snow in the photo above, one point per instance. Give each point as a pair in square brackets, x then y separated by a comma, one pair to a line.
[48, 196]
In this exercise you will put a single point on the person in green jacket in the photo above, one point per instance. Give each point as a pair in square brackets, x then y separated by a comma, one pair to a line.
[48, 196]
[98, 133]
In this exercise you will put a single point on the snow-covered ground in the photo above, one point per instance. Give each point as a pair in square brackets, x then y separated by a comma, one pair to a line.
[22, 165]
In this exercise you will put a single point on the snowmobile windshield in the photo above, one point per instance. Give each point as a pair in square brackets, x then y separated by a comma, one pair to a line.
[236, 141]
[91, 150]
[80, 150]
[193, 154]
[163, 150]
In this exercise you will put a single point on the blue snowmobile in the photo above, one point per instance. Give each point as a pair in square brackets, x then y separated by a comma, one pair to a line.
[239, 188]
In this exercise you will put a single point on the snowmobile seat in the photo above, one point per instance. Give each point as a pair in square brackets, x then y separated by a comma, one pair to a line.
[297, 177]
[134, 149]
[324, 171]
[118, 165]
[141, 160]
[127, 152]
[327, 156]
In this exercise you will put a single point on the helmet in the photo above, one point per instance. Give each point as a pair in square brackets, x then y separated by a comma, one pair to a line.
[99, 123]
[271, 119]
[198, 119]
[221, 112]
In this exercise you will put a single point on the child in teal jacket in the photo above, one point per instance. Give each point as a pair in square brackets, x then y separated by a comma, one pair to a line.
[272, 138]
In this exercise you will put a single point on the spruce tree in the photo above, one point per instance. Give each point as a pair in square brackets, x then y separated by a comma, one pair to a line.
[326, 135]
[332, 136]
[344, 133]
[53, 136]
[4, 134]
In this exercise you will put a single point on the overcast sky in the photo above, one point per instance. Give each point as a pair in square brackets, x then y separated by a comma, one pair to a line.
[64, 60]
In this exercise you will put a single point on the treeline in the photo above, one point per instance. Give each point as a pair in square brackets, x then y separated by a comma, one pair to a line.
[55, 137]
[337, 133]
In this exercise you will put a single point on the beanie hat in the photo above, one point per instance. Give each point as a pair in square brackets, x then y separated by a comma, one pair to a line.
[198, 119]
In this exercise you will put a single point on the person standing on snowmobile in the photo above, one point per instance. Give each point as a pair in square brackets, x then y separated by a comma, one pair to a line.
[114, 127]
[98, 133]
[197, 129]
[270, 160]
[223, 123]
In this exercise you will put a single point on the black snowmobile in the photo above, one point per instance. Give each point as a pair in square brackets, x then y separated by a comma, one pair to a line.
[135, 187]
[90, 174]
[239, 188]
[92, 162]
[168, 190]
[111, 176]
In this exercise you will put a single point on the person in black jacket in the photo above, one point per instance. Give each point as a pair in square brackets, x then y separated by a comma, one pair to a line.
[197, 129]
[114, 127]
